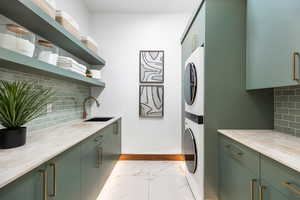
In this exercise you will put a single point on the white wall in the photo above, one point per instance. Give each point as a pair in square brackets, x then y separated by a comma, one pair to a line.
[120, 37]
[78, 10]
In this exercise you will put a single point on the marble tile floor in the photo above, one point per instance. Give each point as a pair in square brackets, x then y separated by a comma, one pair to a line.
[147, 180]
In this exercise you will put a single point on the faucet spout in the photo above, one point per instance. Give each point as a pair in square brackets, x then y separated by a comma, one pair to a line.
[84, 114]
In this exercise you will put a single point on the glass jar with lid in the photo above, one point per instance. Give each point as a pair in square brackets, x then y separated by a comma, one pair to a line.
[46, 51]
[17, 38]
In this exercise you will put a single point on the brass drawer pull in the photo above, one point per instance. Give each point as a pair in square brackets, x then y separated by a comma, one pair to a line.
[295, 54]
[44, 184]
[99, 157]
[290, 187]
[261, 192]
[252, 186]
[99, 138]
[53, 166]
[236, 152]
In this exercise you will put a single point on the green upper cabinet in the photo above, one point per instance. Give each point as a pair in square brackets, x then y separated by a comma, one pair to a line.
[272, 43]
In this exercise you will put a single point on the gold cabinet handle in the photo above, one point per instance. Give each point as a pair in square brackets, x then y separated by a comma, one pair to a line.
[295, 54]
[252, 186]
[290, 187]
[116, 128]
[44, 183]
[236, 152]
[261, 192]
[53, 166]
[99, 156]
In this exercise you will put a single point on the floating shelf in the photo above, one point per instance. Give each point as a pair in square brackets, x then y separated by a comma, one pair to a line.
[19, 62]
[27, 14]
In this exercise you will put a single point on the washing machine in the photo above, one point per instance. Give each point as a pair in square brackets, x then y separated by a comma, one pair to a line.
[194, 82]
[193, 136]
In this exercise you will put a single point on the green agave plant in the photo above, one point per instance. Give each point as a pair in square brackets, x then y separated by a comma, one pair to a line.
[21, 102]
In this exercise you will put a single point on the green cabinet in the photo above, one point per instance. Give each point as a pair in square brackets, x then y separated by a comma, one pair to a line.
[29, 187]
[268, 192]
[92, 159]
[272, 42]
[238, 171]
[76, 174]
[99, 155]
[64, 175]
[247, 175]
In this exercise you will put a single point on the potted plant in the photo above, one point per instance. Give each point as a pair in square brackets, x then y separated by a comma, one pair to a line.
[20, 102]
[89, 73]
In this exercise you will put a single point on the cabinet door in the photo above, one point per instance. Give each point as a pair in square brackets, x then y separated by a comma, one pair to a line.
[108, 153]
[282, 178]
[272, 38]
[15, 191]
[237, 182]
[64, 175]
[91, 154]
[117, 140]
[28, 187]
[268, 192]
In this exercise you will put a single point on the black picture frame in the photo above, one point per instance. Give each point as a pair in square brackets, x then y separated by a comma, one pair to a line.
[162, 101]
[140, 66]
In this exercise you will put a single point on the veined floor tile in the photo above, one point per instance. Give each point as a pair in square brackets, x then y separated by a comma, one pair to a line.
[147, 180]
[125, 188]
[170, 188]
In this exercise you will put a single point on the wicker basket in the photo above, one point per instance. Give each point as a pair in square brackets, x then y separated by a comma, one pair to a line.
[45, 7]
[68, 26]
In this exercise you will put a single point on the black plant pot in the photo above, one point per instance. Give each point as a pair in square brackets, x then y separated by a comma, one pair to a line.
[11, 138]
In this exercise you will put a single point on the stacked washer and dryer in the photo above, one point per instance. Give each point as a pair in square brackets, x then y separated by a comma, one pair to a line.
[193, 138]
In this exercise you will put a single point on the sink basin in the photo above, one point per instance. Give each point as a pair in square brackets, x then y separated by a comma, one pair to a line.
[99, 119]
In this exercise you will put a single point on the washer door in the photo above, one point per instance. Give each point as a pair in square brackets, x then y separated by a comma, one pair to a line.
[190, 83]
[190, 150]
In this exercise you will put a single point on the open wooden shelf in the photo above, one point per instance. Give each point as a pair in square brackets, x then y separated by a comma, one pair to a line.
[27, 14]
[19, 62]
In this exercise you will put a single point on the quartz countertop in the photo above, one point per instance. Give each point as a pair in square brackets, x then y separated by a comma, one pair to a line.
[43, 145]
[280, 147]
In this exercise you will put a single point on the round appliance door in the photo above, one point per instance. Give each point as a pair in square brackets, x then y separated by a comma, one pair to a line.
[190, 150]
[190, 83]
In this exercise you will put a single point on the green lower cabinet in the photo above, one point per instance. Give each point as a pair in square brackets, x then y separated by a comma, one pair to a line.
[248, 175]
[237, 182]
[268, 192]
[76, 174]
[91, 168]
[29, 187]
[64, 175]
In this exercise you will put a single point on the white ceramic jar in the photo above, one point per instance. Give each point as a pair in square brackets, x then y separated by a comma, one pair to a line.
[17, 38]
[46, 51]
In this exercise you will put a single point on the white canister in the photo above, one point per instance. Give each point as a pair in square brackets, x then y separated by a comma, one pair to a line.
[96, 73]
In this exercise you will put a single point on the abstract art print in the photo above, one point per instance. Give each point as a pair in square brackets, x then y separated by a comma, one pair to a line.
[151, 66]
[151, 101]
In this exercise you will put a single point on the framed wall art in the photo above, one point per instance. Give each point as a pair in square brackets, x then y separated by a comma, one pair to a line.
[151, 101]
[151, 66]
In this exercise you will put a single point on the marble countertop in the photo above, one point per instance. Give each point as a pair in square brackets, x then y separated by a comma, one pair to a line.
[43, 145]
[280, 147]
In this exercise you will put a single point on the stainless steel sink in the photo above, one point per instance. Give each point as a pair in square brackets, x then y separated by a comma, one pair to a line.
[99, 119]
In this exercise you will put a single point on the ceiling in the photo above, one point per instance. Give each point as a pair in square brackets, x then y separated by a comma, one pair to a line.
[142, 6]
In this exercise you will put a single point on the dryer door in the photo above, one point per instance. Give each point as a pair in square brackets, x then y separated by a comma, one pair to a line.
[190, 150]
[190, 83]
